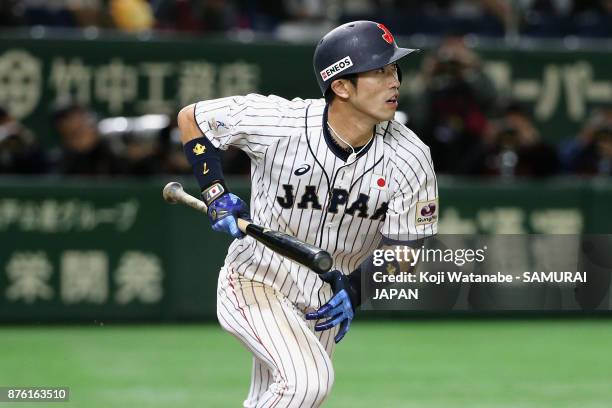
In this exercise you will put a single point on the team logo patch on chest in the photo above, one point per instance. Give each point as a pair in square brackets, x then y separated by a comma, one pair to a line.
[426, 212]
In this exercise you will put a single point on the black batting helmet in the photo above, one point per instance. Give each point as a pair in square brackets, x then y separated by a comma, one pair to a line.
[354, 47]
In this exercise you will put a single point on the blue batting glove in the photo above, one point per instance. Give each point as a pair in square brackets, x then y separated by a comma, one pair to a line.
[223, 213]
[340, 309]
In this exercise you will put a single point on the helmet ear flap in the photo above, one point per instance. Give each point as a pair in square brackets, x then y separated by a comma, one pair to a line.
[399, 73]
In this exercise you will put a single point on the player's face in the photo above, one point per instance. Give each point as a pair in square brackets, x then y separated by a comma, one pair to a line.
[377, 93]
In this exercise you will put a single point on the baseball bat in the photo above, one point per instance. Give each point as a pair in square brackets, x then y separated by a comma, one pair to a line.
[314, 258]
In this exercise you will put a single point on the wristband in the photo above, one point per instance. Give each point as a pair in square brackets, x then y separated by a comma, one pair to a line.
[205, 161]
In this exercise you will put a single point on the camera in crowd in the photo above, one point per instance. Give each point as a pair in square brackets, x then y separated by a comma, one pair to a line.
[507, 135]
[448, 66]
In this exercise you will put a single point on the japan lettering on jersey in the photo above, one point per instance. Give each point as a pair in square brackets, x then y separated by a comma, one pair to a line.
[301, 185]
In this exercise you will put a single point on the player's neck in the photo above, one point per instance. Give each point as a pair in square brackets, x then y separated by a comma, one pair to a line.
[355, 129]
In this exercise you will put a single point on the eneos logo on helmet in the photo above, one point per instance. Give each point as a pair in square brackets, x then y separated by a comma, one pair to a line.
[336, 68]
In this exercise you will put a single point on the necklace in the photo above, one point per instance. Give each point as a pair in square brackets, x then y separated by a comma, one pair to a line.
[353, 156]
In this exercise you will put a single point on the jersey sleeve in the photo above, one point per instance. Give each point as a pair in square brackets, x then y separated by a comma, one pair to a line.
[251, 123]
[413, 207]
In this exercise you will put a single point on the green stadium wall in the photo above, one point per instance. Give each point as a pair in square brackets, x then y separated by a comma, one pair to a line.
[99, 251]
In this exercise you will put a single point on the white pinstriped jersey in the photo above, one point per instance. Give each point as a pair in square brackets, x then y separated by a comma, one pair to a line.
[303, 185]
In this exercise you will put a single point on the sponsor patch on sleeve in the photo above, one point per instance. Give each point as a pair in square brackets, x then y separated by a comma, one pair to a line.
[213, 121]
[426, 212]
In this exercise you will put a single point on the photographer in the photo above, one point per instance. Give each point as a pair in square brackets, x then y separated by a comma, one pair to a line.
[146, 145]
[590, 153]
[451, 112]
[82, 151]
[20, 152]
[513, 147]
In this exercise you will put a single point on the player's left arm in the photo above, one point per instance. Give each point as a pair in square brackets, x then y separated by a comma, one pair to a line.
[340, 309]
[412, 216]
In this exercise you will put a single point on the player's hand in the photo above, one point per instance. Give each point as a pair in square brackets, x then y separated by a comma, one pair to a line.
[223, 213]
[340, 309]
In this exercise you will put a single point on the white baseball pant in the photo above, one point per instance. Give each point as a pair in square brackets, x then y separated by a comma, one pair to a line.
[291, 363]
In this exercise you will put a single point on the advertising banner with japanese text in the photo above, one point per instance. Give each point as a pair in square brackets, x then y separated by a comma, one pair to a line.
[113, 250]
[128, 76]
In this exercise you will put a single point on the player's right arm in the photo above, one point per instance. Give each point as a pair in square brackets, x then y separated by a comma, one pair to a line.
[187, 124]
[223, 206]
[251, 123]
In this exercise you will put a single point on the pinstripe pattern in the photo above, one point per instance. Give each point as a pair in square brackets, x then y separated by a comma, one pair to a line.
[295, 175]
[280, 136]
[291, 364]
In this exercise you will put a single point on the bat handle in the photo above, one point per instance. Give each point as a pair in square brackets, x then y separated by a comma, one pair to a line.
[243, 224]
[308, 255]
[173, 193]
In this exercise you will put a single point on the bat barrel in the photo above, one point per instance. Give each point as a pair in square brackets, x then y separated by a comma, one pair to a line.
[322, 262]
[312, 257]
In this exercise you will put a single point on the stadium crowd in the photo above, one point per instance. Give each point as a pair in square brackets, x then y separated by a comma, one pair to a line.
[470, 128]
[459, 112]
[291, 19]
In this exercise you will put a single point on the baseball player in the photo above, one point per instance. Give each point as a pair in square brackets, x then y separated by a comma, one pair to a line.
[337, 172]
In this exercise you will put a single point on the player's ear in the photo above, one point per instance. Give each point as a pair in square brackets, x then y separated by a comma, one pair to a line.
[341, 88]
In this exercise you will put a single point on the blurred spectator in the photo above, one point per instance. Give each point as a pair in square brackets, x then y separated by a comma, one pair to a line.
[560, 18]
[590, 153]
[20, 152]
[264, 15]
[55, 13]
[486, 17]
[593, 18]
[91, 13]
[132, 15]
[82, 151]
[513, 147]
[450, 115]
[142, 156]
[10, 15]
[601, 7]
[150, 144]
[545, 17]
[195, 15]
[477, 11]
[50, 13]
[536, 8]
[307, 20]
